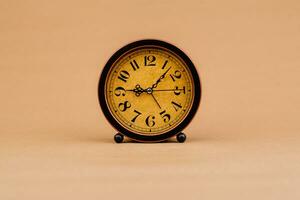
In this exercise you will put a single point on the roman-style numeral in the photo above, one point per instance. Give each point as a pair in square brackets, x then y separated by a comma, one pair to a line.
[134, 65]
[124, 75]
[176, 105]
[165, 64]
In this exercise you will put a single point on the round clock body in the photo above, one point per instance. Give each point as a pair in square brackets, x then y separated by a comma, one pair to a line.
[149, 90]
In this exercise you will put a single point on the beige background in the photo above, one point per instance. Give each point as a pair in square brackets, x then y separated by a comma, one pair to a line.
[242, 144]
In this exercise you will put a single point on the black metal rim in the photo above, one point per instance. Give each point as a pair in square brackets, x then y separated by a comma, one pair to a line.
[130, 134]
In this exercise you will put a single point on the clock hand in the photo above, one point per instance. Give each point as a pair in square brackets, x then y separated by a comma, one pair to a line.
[155, 100]
[160, 78]
[168, 90]
[138, 90]
[176, 90]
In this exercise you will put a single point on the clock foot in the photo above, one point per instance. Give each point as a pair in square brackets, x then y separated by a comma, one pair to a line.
[119, 138]
[181, 137]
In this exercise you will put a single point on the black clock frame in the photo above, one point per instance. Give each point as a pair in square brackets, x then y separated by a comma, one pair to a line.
[120, 128]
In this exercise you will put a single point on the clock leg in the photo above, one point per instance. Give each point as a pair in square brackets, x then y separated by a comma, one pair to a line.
[119, 138]
[181, 137]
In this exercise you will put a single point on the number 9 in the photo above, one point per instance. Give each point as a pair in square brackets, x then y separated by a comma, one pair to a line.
[120, 91]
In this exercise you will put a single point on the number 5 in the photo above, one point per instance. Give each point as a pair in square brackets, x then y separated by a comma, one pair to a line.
[165, 116]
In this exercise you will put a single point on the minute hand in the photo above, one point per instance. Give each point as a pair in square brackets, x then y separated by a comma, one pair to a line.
[160, 78]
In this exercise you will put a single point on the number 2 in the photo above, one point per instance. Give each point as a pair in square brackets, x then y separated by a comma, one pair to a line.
[176, 75]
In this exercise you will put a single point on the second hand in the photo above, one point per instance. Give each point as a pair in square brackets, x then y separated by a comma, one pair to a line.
[169, 90]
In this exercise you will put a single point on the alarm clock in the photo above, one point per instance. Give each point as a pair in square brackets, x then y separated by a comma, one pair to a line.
[149, 91]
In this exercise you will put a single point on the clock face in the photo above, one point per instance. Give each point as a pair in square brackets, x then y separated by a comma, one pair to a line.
[148, 90]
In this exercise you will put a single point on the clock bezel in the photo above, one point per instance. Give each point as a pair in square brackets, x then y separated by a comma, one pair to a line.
[159, 137]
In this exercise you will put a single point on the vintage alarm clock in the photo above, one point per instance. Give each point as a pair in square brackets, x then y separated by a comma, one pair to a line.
[149, 91]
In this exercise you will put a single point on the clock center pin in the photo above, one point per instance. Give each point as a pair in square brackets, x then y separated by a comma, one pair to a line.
[149, 90]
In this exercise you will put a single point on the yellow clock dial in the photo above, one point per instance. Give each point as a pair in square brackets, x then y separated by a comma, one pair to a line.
[149, 91]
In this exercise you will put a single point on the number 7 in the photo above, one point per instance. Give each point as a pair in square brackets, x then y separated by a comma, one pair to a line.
[138, 114]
